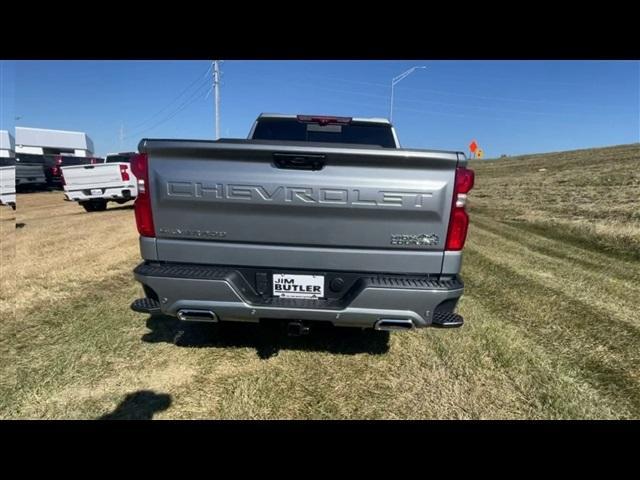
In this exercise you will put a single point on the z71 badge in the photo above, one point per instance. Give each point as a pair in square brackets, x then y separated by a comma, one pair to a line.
[419, 240]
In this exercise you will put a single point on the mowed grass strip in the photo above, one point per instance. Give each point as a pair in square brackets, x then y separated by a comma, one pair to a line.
[564, 247]
[596, 348]
[549, 262]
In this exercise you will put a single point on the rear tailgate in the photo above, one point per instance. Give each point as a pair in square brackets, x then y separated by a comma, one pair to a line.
[100, 175]
[7, 180]
[29, 173]
[365, 209]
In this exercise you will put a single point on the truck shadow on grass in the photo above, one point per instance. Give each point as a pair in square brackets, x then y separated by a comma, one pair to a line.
[109, 209]
[120, 207]
[140, 405]
[20, 189]
[268, 338]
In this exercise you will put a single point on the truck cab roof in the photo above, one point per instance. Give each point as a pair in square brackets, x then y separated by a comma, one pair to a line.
[375, 132]
[264, 116]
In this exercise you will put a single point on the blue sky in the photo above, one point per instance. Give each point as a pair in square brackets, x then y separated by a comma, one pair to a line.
[509, 107]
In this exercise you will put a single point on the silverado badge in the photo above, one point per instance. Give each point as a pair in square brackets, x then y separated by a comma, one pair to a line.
[420, 240]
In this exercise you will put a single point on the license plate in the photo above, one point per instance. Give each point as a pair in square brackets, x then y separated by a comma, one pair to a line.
[298, 286]
[96, 191]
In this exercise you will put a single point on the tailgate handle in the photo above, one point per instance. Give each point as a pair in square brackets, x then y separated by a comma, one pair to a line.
[88, 166]
[299, 161]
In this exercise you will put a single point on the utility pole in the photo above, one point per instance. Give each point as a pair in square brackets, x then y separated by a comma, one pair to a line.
[216, 86]
[395, 80]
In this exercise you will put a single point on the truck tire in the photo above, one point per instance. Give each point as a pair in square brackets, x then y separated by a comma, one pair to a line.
[88, 206]
[99, 205]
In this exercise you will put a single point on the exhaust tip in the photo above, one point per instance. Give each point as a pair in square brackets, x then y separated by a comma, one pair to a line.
[393, 324]
[193, 315]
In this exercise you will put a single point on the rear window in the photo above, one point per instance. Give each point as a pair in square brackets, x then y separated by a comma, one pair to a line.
[290, 129]
[67, 160]
[30, 158]
[118, 158]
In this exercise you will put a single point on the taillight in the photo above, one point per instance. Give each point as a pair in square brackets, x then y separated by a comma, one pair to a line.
[459, 220]
[124, 173]
[142, 205]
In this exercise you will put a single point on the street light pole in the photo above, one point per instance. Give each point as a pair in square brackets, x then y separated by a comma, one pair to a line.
[216, 86]
[397, 79]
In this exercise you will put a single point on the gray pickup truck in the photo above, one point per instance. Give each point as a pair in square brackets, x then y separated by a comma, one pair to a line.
[311, 219]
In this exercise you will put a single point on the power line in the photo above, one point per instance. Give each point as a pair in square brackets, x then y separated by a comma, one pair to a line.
[446, 114]
[460, 105]
[180, 108]
[172, 101]
[482, 97]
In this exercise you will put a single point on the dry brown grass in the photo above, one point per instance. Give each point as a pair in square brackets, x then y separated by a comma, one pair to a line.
[7, 256]
[62, 249]
[551, 325]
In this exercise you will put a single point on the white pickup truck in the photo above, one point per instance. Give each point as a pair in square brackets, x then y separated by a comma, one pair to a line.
[8, 182]
[92, 186]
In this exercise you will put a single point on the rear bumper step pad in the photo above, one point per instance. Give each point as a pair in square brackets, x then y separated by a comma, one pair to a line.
[447, 320]
[146, 305]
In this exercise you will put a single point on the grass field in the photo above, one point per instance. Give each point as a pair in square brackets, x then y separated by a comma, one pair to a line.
[552, 273]
[7, 256]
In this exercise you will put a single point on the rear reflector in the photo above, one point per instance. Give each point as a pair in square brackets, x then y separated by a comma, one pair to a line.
[459, 220]
[142, 205]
